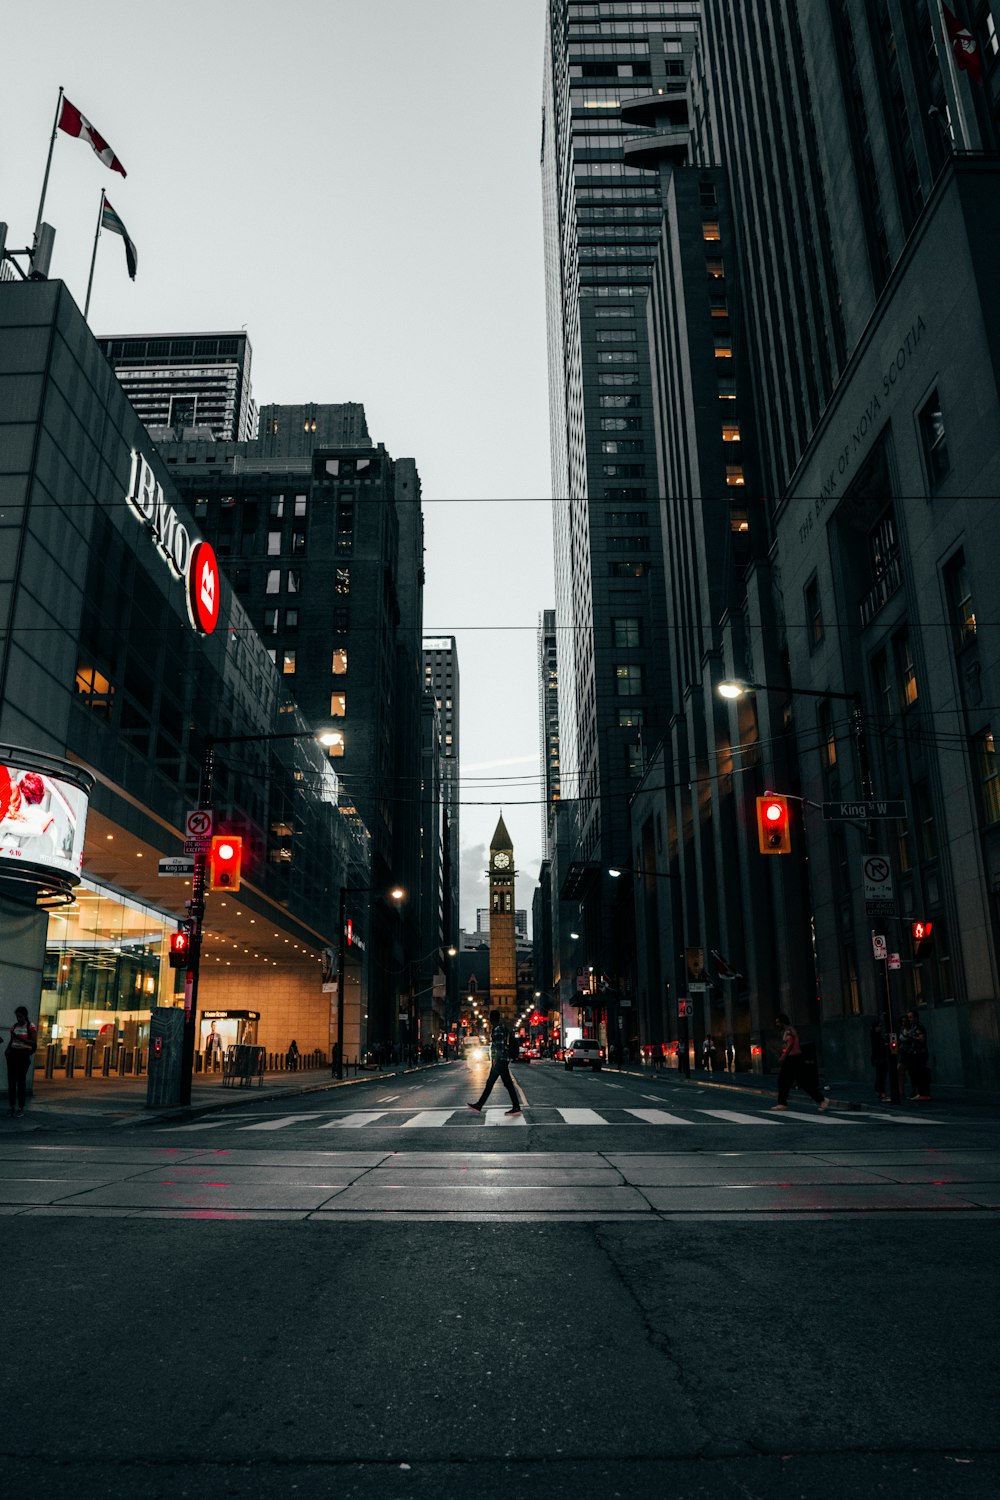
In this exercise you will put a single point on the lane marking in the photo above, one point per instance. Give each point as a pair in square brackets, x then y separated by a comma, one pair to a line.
[658, 1117]
[351, 1121]
[428, 1117]
[582, 1116]
[387, 1099]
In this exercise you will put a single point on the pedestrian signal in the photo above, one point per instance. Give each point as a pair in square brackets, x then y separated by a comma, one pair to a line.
[224, 863]
[180, 949]
[922, 935]
[774, 827]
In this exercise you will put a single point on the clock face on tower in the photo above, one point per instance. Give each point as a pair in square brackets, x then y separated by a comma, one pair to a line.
[501, 861]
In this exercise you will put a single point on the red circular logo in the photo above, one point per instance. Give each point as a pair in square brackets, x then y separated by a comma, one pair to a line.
[203, 588]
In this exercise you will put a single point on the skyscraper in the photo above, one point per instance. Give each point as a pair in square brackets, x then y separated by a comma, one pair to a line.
[602, 217]
[548, 716]
[188, 381]
[441, 680]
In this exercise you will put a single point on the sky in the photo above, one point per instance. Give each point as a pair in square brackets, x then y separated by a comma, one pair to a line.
[355, 182]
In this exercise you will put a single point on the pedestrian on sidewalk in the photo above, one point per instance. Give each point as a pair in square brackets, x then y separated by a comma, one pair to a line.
[795, 1068]
[920, 1057]
[18, 1054]
[880, 1060]
[501, 1038]
[708, 1054]
[292, 1056]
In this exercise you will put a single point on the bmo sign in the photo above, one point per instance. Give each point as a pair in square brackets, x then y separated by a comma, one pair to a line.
[193, 561]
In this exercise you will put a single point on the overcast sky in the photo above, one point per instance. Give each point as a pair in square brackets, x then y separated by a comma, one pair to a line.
[356, 182]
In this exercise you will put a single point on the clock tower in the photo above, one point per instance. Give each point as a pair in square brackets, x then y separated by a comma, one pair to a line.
[503, 948]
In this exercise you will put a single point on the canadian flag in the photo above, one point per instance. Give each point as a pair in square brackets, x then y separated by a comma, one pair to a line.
[964, 45]
[74, 123]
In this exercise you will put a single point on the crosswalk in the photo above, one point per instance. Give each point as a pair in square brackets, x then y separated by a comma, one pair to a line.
[545, 1116]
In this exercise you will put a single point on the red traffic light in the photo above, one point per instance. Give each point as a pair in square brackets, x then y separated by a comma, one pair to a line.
[922, 931]
[225, 859]
[774, 828]
[180, 949]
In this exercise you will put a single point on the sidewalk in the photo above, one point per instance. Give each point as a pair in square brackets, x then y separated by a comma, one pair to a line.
[76, 1103]
[842, 1093]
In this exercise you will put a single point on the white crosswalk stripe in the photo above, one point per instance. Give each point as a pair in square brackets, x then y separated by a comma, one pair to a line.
[351, 1121]
[499, 1117]
[658, 1117]
[582, 1117]
[734, 1117]
[428, 1117]
[281, 1124]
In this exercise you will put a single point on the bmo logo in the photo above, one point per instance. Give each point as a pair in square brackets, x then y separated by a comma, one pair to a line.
[203, 588]
[194, 561]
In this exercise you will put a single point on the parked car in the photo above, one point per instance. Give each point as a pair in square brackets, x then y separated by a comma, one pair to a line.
[584, 1052]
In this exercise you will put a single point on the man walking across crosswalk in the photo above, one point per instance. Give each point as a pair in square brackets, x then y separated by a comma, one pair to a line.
[500, 1041]
[795, 1067]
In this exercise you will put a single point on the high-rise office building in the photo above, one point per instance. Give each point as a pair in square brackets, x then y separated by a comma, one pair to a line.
[602, 217]
[186, 382]
[320, 533]
[548, 716]
[441, 680]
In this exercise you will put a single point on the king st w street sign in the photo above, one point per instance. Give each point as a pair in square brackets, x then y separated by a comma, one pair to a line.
[865, 811]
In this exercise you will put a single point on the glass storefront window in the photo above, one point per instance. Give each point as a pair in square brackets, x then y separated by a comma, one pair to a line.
[106, 967]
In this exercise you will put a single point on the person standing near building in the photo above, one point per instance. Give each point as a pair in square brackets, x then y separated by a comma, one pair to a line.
[292, 1056]
[500, 1042]
[793, 1069]
[920, 1057]
[880, 1059]
[19, 1052]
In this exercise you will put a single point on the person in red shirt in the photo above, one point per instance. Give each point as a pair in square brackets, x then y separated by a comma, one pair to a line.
[795, 1069]
[19, 1052]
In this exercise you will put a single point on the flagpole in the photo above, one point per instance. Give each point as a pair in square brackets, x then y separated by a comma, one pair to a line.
[48, 163]
[93, 258]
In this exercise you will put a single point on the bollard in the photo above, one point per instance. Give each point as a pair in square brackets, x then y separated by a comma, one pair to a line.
[138, 1062]
[70, 1059]
[88, 1061]
[50, 1059]
[122, 1058]
[106, 1063]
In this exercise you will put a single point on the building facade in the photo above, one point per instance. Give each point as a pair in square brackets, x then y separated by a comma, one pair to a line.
[442, 681]
[503, 939]
[109, 663]
[184, 382]
[320, 532]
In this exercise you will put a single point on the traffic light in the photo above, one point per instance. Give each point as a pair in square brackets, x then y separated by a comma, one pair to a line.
[922, 933]
[774, 827]
[180, 949]
[224, 863]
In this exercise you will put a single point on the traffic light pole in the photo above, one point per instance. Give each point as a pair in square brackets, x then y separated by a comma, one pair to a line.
[196, 908]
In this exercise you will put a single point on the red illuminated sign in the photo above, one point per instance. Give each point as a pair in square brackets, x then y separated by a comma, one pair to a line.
[203, 588]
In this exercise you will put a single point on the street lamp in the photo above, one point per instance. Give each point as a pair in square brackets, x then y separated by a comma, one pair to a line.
[395, 894]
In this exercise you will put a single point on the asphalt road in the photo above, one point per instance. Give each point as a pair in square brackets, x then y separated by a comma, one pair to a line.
[372, 1292]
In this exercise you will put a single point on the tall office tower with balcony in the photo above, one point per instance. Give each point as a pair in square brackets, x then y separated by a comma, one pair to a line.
[320, 533]
[602, 215]
[442, 681]
[179, 382]
[548, 717]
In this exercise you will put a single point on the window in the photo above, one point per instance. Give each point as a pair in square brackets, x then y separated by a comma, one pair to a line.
[335, 752]
[339, 665]
[273, 581]
[960, 604]
[201, 505]
[630, 377]
[827, 737]
[271, 618]
[241, 580]
[619, 403]
[277, 507]
[723, 346]
[338, 705]
[989, 776]
[715, 266]
[291, 619]
[616, 335]
[730, 432]
[617, 357]
[635, 761]
[734, 476]
[274, 544]
[814, 612]
[294, 583]
[288, 663]
[345, 528]
[300, 500]
[624, 471]
[95, 689]
[718, 305]
[342, 580]
[620, 424]
[623, 445]
[628, 681]
[627, 518]
[934, 441]
[340, 621]
[630, 718]
[739, 520]
[627, 632]
[298, 543]
[710, 230]
[907, 671]
[628, 569]
[628, 543]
